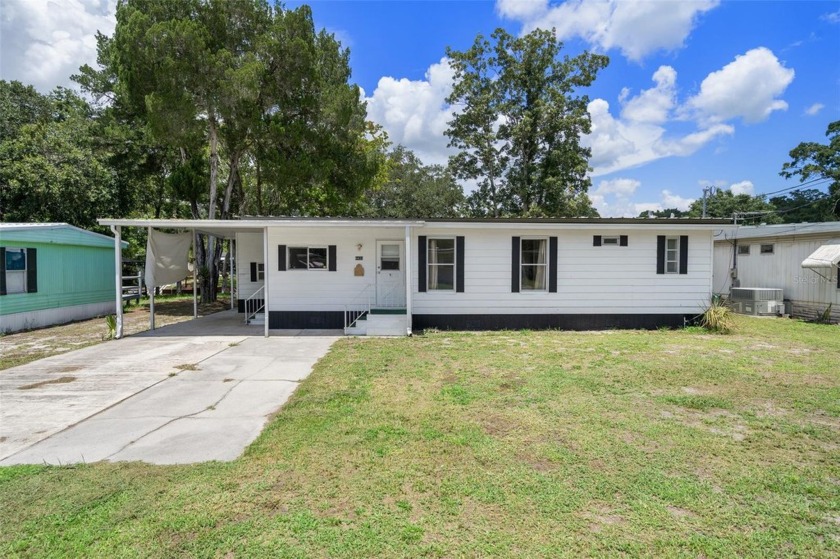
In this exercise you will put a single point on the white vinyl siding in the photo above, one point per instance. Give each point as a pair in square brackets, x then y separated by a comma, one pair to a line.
[587, 282]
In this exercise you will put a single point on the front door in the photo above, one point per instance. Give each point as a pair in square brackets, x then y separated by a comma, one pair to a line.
[390, 274]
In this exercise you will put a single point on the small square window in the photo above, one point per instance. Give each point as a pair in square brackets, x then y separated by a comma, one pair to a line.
[610, 241]
[260, 271]
[743, 250]
[766, 249]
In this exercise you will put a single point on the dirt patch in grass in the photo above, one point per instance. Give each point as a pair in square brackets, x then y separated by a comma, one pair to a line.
[24, 347]
[61, 380]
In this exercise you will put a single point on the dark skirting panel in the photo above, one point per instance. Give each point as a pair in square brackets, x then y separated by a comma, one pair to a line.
[548, 321]
[240, 304]
[294, 320]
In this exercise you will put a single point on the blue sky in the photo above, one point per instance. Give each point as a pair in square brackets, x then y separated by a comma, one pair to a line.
[696, 93]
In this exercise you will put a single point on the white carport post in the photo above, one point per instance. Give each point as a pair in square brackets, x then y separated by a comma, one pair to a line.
[265, 280]
[152, 292]
[231, 271]
[118, 278]
[195, 268]
[408, 280]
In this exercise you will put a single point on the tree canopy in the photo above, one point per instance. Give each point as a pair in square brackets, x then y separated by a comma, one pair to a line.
[813, 161]
[411, 189]
[725, 204]
[517, 125]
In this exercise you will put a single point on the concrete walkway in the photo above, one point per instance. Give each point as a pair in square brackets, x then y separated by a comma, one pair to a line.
[120, 401]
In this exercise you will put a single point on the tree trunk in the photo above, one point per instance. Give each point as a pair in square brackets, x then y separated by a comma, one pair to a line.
[209, 275]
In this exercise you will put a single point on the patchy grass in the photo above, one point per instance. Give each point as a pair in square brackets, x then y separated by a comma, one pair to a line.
[24, 347]
[511, 444]
[187, 367]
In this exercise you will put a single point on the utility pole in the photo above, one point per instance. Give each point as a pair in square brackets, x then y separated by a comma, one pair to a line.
[707, 191]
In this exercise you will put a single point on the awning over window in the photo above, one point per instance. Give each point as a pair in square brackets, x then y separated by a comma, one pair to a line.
[827, 256]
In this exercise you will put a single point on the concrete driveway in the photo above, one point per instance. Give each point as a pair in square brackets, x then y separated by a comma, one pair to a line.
[173, 396]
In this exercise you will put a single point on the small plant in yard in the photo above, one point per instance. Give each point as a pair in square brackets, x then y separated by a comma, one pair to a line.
[111, 323]
[718, 317]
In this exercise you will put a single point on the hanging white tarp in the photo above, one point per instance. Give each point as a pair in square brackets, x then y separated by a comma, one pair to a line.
[167, 256]
[827, 256]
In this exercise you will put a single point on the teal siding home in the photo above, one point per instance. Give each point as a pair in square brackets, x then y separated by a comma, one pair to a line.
[52, 273]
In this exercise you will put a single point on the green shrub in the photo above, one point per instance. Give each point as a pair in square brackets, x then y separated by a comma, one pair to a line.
[718, 318]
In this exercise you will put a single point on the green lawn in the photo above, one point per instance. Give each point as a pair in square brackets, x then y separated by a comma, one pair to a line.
[512, 444]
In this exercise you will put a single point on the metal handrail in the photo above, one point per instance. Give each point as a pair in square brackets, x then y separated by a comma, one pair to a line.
[353, 312]
[253, 306]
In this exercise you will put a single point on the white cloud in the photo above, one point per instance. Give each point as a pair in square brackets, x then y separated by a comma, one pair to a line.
[655, 104]
[639, 135]
[670, 200]
[743, 187]
[414, 112]
[747, 88]
[637, 28]
[43, 42]
[612, 198]
[831, 17]
[521, 9]
[814, 109]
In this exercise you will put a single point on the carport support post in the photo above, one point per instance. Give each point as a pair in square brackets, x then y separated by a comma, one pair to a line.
[118, 278]
[195, 289]
[266, 269]
[408, 280]
[231, 271]
[151, 292]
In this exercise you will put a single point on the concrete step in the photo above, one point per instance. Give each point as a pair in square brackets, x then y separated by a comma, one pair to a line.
[386, 324]
[258, 320]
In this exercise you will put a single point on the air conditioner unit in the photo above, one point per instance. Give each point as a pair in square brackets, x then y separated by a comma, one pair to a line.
[760, 308]
[756, 294]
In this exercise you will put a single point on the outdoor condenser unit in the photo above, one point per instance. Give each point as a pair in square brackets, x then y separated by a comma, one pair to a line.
[757, 300]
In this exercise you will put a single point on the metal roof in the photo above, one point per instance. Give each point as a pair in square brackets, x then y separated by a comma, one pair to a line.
[42, 227]
[227, 228]
[784, 230]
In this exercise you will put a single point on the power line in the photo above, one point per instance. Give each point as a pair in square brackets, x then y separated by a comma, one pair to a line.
[798, 186]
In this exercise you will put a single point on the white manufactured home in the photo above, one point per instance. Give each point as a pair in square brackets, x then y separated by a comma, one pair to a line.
[389, 277]
[800, 259]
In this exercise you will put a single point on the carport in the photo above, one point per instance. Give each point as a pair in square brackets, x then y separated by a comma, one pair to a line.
[218, 229]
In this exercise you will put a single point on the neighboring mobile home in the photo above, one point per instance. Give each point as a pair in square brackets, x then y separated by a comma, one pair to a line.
[391, 276]
[51, 273]
[801, 259]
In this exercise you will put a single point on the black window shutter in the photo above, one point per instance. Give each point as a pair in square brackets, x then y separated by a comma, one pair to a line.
[253, 271]
[421, 264]
[660, 254]
[683, 254]
[622, 240]
[2, 271]
[331, 258]
[596, 240]
[459, 264]
[31, 270]
[838, 279]
[281, 258]
[514, 265]
[552, 264]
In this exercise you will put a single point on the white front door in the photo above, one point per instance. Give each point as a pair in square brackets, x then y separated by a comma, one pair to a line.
[390, 273]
